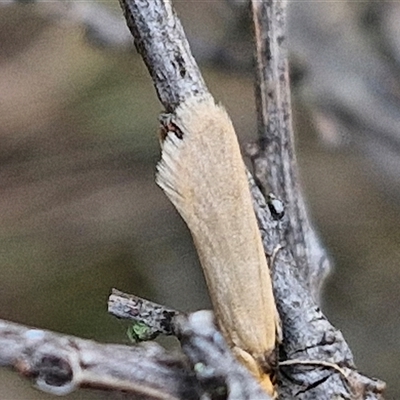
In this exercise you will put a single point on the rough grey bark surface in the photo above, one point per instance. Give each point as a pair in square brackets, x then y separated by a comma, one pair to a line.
[274, 157]
[158, 37]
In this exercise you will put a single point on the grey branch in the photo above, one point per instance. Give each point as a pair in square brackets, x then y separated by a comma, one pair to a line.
[157, 317]
[308, 337]
[217, 371]
[300, 267]
[215, 368]
[214, 365]
[161, 41]
[274, 158]
[61, 364]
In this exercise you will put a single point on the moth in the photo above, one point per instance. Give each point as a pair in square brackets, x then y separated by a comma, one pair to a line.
[203, 174]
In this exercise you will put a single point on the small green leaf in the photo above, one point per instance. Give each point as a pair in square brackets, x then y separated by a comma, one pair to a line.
[140, 332]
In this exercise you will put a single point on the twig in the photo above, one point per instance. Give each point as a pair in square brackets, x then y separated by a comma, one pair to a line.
[157, 317]
[301, 265]
[316, 363]
[161, 41]
[215, 368]
[275, 164]
[61, 364]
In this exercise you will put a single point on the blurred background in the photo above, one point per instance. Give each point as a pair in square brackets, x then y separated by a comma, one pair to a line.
[80, 212]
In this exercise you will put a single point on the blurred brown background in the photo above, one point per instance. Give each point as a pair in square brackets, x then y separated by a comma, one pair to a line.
[80, 212]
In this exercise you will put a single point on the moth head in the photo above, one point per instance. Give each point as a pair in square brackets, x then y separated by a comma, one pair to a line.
[167, 127]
